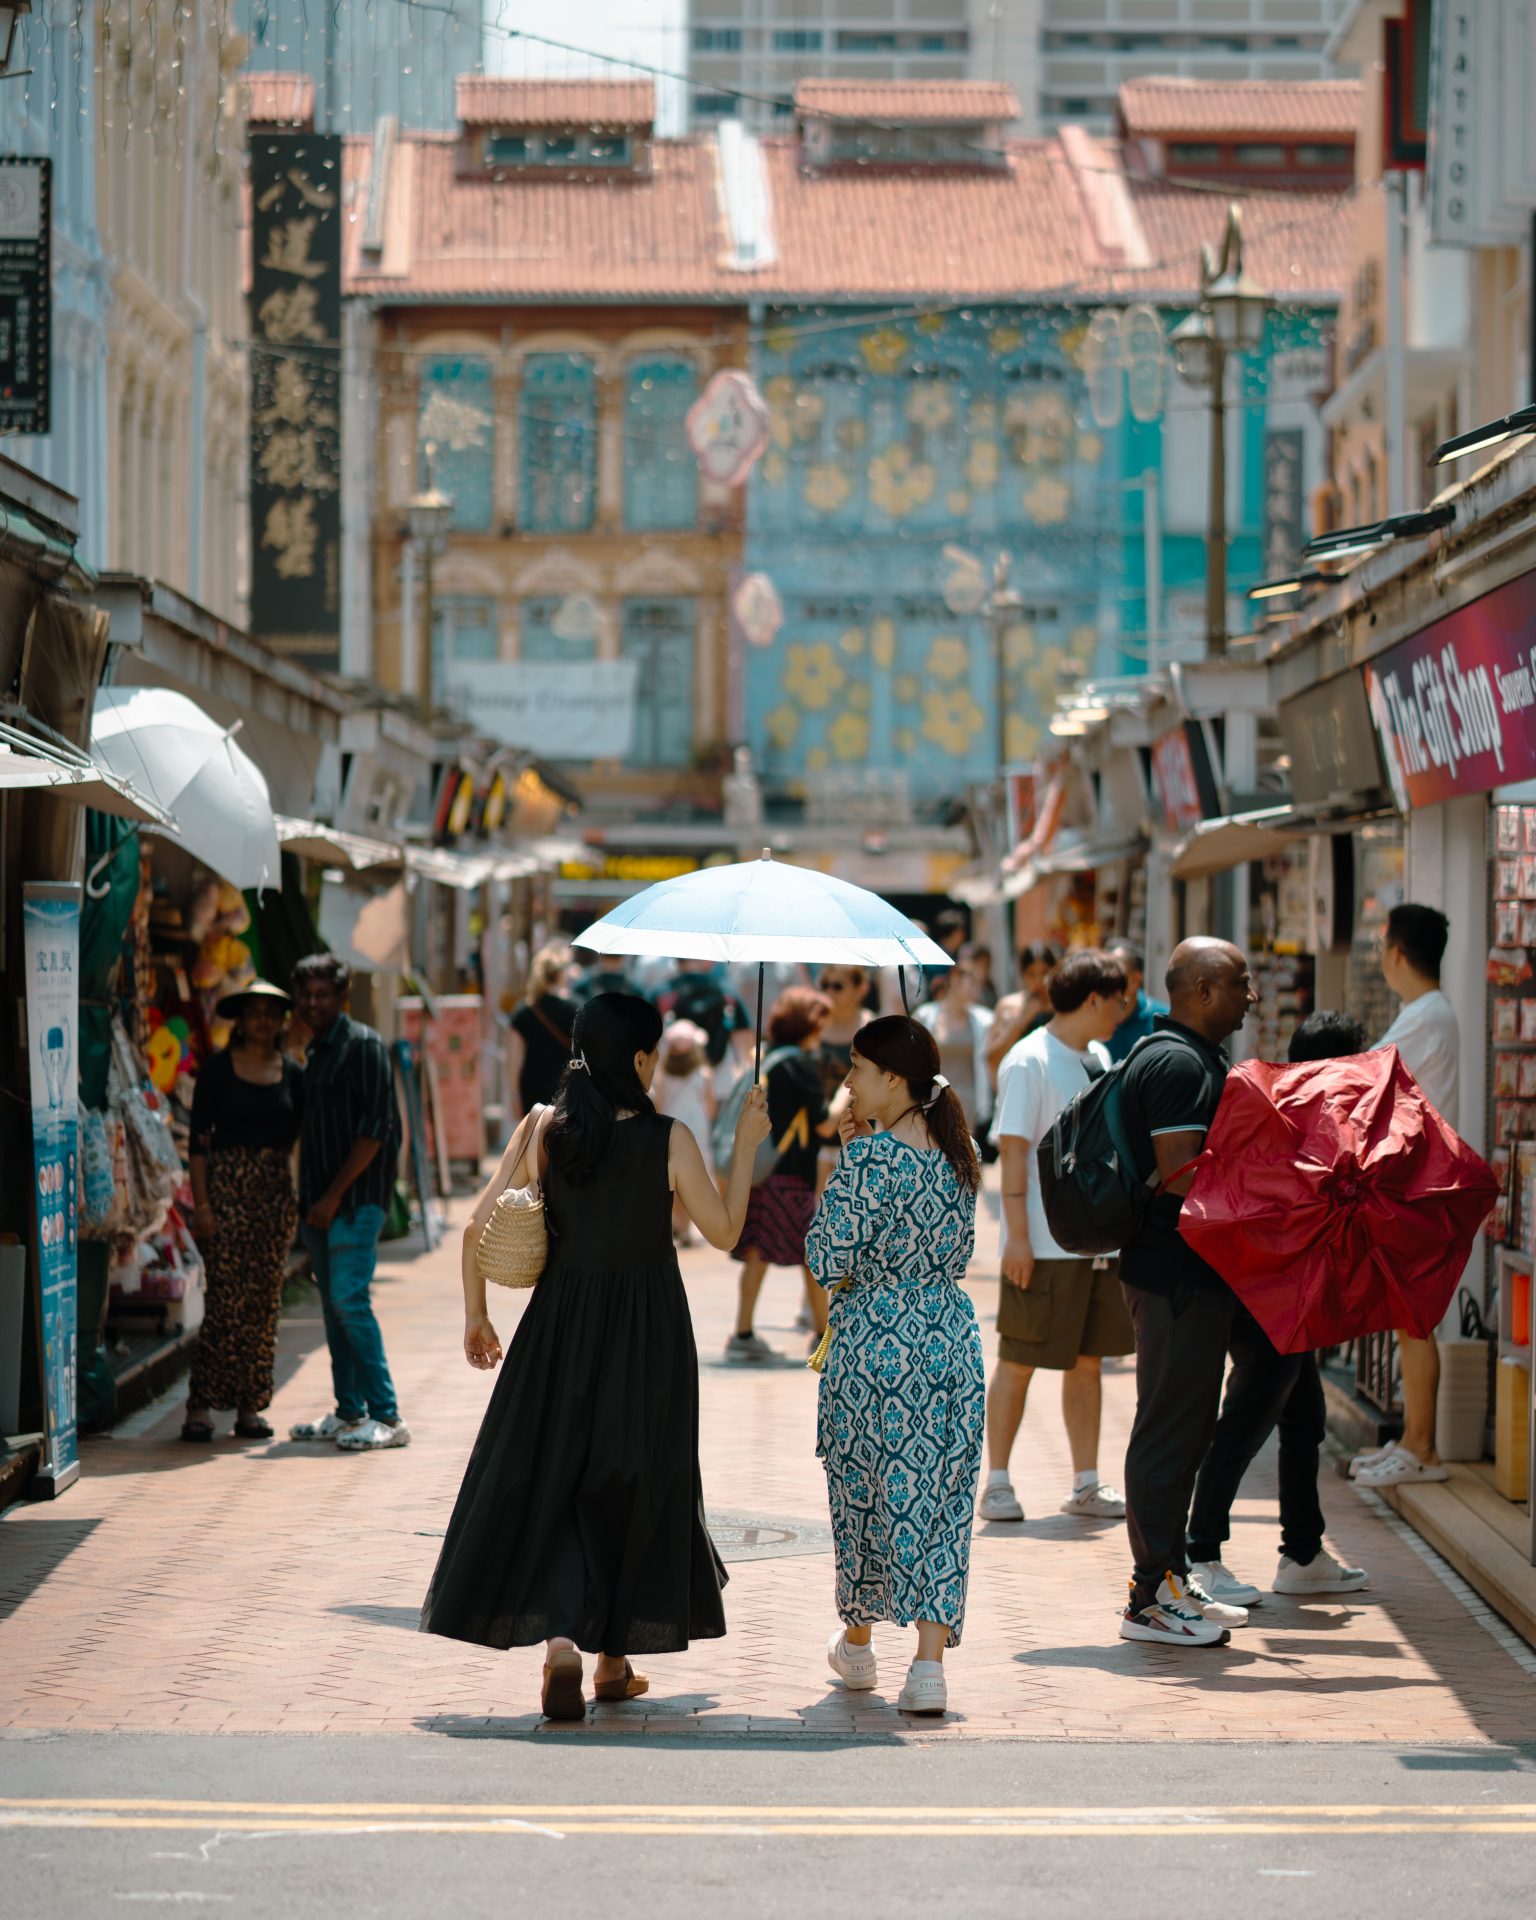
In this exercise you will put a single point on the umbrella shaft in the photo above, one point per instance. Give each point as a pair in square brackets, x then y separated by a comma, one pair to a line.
[757, 1053]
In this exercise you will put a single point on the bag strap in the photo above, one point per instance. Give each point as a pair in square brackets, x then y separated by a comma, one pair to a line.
[1166, 1033]
[554, 1032]
[534, 1120]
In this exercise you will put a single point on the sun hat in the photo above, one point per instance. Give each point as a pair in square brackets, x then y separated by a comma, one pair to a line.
[229, 1007]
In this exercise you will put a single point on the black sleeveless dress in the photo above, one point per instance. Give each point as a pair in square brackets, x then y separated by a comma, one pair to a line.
[582, 1510]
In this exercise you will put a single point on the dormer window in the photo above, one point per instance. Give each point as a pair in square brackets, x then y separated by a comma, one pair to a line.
[559, 127]
[949, 123]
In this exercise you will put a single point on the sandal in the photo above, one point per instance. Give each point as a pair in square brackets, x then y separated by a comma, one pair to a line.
[629, 1688]
[197, 1431]
[563, 1698]
[253, 1428]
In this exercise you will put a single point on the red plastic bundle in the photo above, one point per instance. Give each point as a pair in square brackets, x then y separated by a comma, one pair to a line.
[1335, 1201]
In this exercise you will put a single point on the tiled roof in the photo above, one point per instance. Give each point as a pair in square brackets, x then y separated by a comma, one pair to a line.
[1297, 245]
[481, 102]
[908, 102]
[279, 99]
[1178, 109]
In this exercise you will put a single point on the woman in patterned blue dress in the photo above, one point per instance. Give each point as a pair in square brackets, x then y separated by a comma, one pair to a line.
[903, 1392]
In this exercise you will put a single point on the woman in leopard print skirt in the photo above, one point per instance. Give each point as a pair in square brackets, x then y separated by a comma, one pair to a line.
[245, 1120]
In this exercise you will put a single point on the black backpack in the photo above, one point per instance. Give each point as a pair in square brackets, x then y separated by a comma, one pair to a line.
[698, 998]
[1095, 1201]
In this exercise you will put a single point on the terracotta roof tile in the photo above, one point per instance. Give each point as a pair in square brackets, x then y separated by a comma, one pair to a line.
[908, 102]
[482, 102]
[1178, 108]
[1297, 245]
[279, 99]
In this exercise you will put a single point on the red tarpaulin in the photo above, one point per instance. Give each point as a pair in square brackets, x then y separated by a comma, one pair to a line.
[1335, 1201]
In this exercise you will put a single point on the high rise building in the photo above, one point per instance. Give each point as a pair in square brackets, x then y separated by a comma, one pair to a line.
[367, 59]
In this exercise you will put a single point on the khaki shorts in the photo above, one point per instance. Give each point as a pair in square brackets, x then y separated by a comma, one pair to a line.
[1070, 1308]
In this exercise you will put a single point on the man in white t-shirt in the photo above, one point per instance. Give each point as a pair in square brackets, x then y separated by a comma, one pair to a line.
[1056, 1310]
[1425, 1033]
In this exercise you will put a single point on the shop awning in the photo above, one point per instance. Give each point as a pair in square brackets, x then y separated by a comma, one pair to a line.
[91, 786]
[352, 852]
[1216, 846]
[1082, 856]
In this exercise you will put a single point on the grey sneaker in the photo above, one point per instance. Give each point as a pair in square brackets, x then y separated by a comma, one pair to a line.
[751, 1350]
[1221, 1583]
[1323, 1574]
[327, 1429]
[1000, 1503]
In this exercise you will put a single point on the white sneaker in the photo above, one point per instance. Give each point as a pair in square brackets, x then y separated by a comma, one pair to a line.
[803, 1321]
[1397, 1468]
[1171, 1623]
[327, 1429]
[373, 1436]
[1222, 1584]
[1322, 1575]
[1000, 1502]
[854, 1666]
[1098, 1502]
[1371, 1457]
[1189, 1592]
[925, 1689]
[750, 1350]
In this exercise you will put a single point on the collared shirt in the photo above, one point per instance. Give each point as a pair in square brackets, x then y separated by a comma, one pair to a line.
[349, 1095]
[1136, 1025]
[1168, 1087]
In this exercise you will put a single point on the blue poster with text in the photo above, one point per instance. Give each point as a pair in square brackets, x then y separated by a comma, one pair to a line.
[51, 934]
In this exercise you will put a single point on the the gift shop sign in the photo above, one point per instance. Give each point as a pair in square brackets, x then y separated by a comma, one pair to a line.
[1455, 706]
[1182, 776]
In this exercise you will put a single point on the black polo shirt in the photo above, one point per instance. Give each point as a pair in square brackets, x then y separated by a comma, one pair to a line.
[1168, 1086]
[349, 1095]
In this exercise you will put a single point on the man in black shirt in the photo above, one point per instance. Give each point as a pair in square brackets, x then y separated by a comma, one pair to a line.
[1180, 1306]
[348, 1146]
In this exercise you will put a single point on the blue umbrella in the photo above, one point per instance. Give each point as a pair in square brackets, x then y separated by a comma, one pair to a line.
[764, 910]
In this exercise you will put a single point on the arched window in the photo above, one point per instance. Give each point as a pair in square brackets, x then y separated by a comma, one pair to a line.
[661, 474]
[456, 413]
[557, 444]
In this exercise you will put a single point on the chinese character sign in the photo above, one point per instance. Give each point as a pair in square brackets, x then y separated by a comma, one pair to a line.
[26, 299]
[51, 949]
[296, 392]
[1284, 525]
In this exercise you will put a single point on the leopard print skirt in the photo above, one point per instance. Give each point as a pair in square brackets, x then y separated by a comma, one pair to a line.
[256, 1214]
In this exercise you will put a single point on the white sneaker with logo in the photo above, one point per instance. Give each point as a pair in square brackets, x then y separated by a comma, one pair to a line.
[374, 1436]
[1190, 1592]
[1322, 1575]
[1171, 1622]
[925, 1689]
[1000, 1503]
[1222, 1584]
[854, 1666]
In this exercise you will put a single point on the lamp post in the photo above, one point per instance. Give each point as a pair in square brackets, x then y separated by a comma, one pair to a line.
[1229, 320]
[428, 515]
[1001, 602]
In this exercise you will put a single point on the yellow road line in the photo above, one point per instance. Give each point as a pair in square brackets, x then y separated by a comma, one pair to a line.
[730, 1810]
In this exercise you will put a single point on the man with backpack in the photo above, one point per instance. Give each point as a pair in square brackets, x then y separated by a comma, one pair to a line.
[698, 992]
[1181, 1308]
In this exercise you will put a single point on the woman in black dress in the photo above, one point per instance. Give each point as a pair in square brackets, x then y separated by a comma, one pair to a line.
[581, 1518]
[539, 1033]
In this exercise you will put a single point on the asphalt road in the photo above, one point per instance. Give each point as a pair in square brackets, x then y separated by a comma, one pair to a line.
[339, 1828]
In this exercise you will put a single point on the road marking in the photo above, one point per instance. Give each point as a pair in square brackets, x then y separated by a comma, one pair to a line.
[731, 1810]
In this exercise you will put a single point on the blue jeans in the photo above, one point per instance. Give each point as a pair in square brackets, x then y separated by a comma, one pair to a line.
[343, 1260]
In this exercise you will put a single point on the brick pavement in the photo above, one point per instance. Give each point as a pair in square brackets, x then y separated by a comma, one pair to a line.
[275, 1588]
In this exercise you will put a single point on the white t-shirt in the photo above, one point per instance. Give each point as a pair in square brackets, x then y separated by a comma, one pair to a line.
[1425, 1033]
[1037, 1078]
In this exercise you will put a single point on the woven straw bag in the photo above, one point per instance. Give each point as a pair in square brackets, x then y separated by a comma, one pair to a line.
[514, 1242]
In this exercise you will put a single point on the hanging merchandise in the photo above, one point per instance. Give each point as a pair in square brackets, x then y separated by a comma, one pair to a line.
[728, 427]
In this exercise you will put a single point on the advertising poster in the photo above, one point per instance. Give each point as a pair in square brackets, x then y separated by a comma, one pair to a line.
[51, 947]
[453, 1041]
[26, 293]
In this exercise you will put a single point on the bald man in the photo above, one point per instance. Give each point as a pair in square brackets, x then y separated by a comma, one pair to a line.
[1181, 1308]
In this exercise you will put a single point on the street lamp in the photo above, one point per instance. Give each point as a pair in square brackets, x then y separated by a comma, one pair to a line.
[1002, 602]
[1230, 319]
[428, 515]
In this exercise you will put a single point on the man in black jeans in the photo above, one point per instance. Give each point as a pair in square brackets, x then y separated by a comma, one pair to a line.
[1265, 1390]
[1181, 1307]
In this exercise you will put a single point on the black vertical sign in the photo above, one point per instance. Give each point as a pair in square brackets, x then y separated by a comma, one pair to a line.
[296, 393]
[26, 294]
[1284, 526]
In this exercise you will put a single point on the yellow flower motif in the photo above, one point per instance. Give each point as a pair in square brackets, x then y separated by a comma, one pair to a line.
[1069, 342]
[907, 688]
[951, 719]
[982, 464]
[904, 740]
[1022, 737]
[848, 736]
[858, 696]
[816, 760]
[827, 487]
[982, 417]
[1090, 449]
[884, 349]
[1017, 411]
[1018, 645]
[809, 407]
[780, 390]
[781, 340]
[851, 433]
[775, 468]
[1005, 339]
[882, 642]
[929, 405]
[812, 674]
[958, 501]
[780, 396]
[898, 484]
[929, 323]
[949, 658]
[852, 642]
[1048, 501]
[783, 724]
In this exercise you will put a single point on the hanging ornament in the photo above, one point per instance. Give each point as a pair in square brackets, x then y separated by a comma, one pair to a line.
[1146, 358]
[758, 609]
[1101, 363]
[575, 619]
[727, 427]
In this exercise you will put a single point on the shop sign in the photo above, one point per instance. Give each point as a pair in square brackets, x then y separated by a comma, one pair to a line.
[1181, 773]
[727, 427]
[1331, 742]
[1455, 706]
[296, 391]
[26, 294]
[647, 867]
[51, 949]
[1283, 523]
[564, 711]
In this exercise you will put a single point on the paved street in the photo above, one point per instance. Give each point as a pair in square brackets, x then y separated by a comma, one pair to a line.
[261, 1593]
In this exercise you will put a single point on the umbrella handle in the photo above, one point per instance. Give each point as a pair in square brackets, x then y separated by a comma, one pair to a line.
[757, 1050]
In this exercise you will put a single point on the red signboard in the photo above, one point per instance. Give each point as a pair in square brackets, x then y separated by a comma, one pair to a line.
[1182, 776]
[1455, 706]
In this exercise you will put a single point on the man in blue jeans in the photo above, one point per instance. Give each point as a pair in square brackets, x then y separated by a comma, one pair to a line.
[348, 1145]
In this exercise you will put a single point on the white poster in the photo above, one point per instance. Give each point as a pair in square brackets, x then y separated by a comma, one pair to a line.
[577, 710]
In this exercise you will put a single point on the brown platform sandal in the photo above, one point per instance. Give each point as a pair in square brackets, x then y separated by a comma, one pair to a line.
[629, 1688]
[563, 1698]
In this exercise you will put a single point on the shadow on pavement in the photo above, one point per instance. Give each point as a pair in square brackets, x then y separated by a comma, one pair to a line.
[407, 1619]
[621, 1726]
[1214, 1669]
[34, 1550]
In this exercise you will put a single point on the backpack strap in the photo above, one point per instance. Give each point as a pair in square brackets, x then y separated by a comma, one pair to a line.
[1151, 1039]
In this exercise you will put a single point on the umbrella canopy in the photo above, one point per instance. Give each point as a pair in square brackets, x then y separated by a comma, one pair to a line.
[763, 910]
[192, 767]
[1335, 1201]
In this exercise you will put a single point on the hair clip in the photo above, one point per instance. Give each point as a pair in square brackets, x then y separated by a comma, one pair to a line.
[579, 1061]
[939, 1084]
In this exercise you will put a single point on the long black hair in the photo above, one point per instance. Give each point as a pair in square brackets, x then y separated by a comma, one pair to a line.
[905, 1047]
[600, 1083]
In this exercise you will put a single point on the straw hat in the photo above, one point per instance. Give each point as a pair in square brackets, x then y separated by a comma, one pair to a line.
[229, 1007]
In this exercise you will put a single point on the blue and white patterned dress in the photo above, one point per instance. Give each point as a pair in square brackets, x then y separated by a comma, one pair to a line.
[903, 1395]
